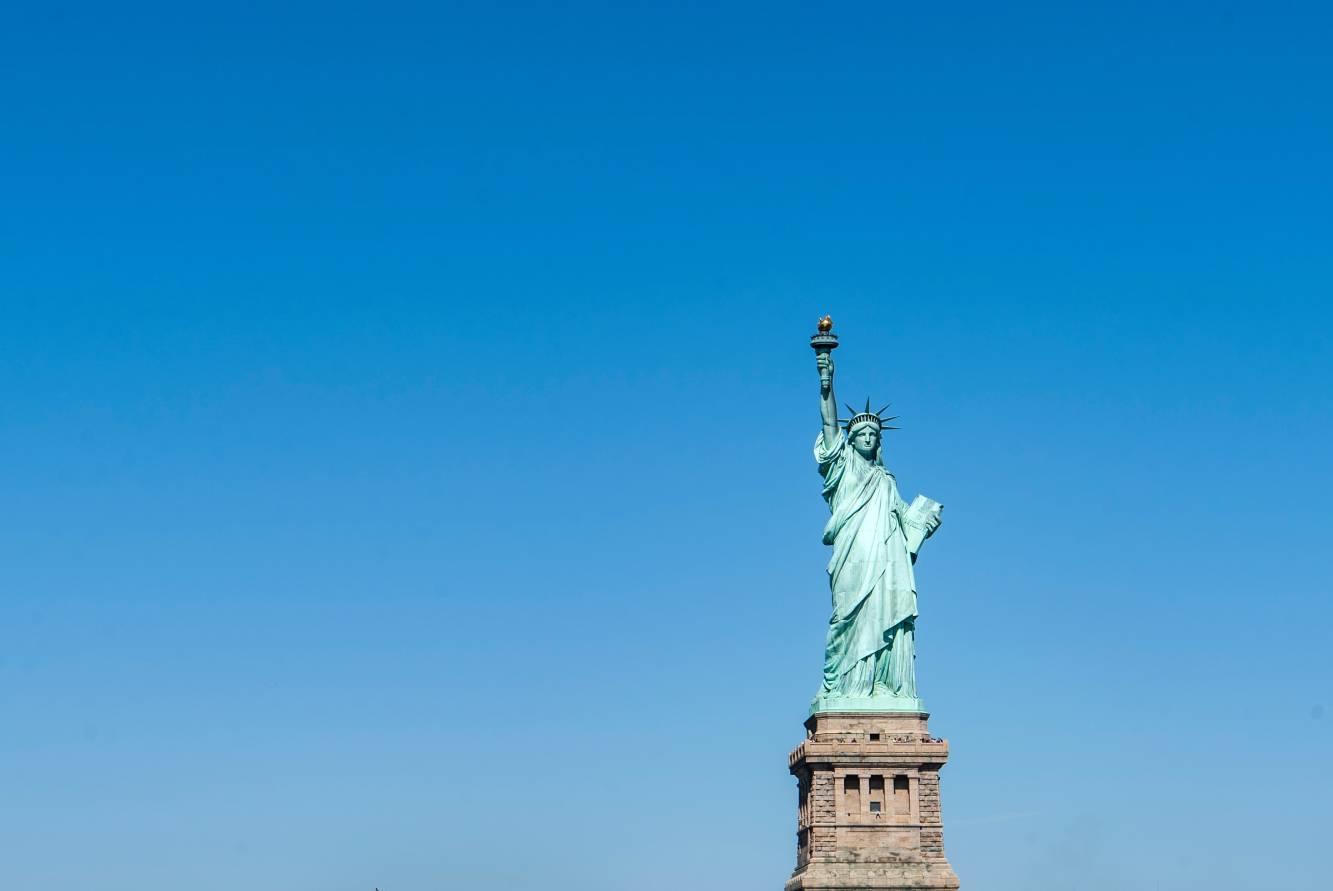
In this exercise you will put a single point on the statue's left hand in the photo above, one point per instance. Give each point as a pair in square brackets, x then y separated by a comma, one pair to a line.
[933, 521]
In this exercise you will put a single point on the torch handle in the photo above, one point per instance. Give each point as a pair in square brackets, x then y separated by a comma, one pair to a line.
[824, 343]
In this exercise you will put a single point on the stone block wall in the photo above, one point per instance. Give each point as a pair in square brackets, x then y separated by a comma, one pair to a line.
[932, 830]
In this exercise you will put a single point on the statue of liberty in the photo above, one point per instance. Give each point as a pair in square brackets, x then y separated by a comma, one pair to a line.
[870, 654]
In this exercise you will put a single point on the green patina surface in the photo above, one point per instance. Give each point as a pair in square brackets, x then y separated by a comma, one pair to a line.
[870, 652]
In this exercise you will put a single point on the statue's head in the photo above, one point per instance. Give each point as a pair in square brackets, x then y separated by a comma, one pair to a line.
[866, 429]
[865, 439]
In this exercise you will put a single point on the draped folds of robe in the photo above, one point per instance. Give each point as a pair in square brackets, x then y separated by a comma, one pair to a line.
[870, 635]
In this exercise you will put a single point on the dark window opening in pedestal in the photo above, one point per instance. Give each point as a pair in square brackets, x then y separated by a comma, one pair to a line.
[874, 737]
[875, 807]
[851, 794]
[901, 802]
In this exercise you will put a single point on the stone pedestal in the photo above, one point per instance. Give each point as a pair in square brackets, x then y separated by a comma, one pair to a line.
[869, 813]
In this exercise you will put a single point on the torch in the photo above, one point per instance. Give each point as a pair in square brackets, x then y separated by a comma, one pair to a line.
[823, 343]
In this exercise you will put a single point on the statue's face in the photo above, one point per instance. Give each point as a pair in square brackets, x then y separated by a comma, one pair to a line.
[865, 441]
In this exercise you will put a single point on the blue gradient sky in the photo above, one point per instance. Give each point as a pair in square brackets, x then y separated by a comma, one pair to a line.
[407, 415]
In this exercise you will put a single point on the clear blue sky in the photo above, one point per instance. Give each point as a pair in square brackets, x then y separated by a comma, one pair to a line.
[407, 424]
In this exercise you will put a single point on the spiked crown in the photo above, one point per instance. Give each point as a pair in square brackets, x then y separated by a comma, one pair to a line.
[868, 417]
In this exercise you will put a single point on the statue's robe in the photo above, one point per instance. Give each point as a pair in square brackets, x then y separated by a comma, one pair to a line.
[875, 536]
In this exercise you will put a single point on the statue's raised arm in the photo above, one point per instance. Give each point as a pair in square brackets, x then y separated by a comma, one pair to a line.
[824, 343]
[828, 406]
